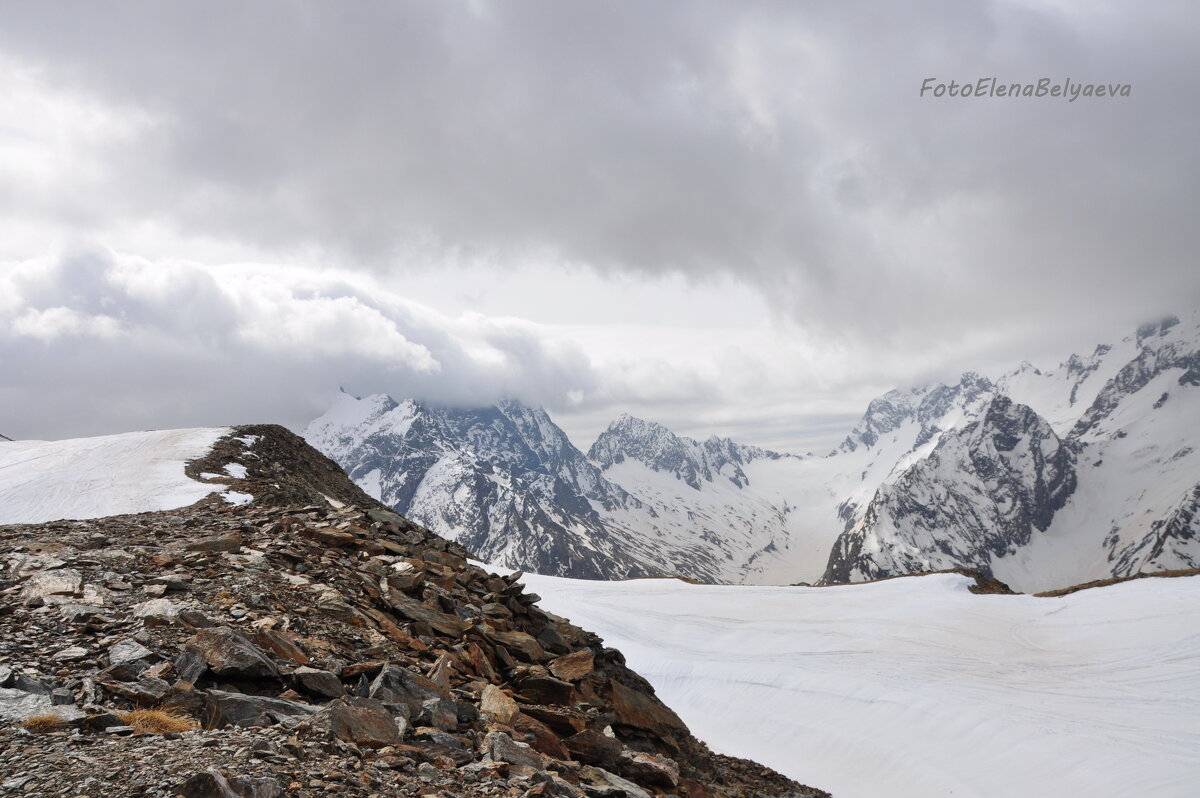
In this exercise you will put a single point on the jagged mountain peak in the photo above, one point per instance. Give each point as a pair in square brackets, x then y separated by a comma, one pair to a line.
[934, 407]
[658, 448]
[1156, 329]
[980, 494]
[502, 479]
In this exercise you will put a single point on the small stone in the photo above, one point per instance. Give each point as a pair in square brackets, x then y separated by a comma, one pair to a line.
[502, 748]
[157, 612]
[231, 543]
[126, 651]
[318, 682]
[495, 705]
[72, 654]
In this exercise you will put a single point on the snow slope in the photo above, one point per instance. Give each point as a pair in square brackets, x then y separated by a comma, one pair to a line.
[917, 687]
[107, 475]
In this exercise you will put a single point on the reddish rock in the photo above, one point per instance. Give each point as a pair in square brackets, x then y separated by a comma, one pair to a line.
[414, 610]
[645, 768]
[539, 736]
[496, 706]
[573, 667]
[231, 542]
[282, 645]
[690, 788]
[525, 645]
[563, 723]
[642, 711]
[593, 747]
[478, 661]
[330, 537]
[357, 669]
[538, 688]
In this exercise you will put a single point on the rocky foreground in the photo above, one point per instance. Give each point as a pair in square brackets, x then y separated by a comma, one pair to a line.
[312, 642]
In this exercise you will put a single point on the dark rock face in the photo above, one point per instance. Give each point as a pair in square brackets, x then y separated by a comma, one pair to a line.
[982, 493]
[318, 600]
[930, 519]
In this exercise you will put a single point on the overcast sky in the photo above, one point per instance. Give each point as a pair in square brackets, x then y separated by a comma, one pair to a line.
[732, 217]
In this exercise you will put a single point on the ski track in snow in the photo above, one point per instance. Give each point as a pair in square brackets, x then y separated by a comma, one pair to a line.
[134, 472]
[917, 687]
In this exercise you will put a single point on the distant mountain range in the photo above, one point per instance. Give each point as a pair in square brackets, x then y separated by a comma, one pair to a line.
[1041, 478]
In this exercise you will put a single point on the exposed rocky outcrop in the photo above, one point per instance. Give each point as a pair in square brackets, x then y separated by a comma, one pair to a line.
[322, 646]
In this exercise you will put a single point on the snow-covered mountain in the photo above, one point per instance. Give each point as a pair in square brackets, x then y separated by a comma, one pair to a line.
[982, 493]
[506, 482]
[1084, 472]
[1042, 478]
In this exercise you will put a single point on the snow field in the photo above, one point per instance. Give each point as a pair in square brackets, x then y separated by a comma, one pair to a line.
[133, 472]
[917, 687]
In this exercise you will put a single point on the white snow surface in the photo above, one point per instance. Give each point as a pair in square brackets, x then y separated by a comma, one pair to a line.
[236, 470]
[134, 472]
[917, 687]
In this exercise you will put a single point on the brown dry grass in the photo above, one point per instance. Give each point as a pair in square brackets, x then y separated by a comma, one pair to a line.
[158, 721]
[1116, 580]
[46, 722]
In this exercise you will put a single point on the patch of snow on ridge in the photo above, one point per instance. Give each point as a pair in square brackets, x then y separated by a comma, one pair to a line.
[134, 472]
[917, 687]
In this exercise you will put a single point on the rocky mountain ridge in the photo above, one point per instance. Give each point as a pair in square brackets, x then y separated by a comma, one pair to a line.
[646, 501]
[1105, 488]
[310, 641]
[687, 460]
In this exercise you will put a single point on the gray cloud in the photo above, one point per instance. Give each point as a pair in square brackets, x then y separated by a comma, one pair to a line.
[95, 342]
[782, 143]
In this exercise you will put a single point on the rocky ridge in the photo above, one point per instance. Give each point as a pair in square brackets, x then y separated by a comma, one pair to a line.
[321, 644]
